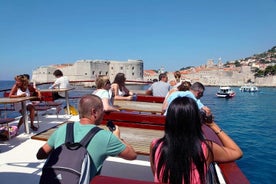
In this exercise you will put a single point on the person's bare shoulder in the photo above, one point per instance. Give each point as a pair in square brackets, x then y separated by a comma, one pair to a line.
[114, 85]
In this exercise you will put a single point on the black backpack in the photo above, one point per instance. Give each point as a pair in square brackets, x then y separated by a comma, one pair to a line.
[70, 162]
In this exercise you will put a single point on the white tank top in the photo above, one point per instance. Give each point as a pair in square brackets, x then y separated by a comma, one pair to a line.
[18, 106]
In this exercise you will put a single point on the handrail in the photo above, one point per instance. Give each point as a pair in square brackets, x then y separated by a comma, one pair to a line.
[80, 81]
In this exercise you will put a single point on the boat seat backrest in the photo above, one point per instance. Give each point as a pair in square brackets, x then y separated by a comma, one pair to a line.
[6, 94]
[47, 96]
[129, 119]
[147, 98]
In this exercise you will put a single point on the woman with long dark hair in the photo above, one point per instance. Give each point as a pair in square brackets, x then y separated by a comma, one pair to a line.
[119, 89]
[183, 155]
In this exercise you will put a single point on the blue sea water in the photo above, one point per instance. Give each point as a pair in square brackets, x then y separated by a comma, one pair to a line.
[249, 118]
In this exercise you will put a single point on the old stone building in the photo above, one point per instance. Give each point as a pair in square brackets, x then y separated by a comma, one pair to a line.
[89, 69]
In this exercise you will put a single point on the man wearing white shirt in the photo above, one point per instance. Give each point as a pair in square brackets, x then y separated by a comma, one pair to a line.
[60, 83]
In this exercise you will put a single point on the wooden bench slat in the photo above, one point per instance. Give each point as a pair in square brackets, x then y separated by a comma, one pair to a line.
[146, 121]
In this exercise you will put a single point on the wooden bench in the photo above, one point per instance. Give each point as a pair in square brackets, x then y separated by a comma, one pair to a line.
[140, 107]
[149, 98]
[133, 120]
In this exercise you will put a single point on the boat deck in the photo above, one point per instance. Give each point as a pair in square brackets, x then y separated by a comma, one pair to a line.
[18, 162]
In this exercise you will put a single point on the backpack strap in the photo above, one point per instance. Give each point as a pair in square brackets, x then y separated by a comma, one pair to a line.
[69, 133]
[87, 138]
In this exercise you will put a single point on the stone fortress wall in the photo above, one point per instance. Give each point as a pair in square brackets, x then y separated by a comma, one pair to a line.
[83, 70]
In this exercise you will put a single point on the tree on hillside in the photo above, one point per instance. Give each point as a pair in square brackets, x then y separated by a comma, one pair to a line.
[259, 73]
[273, 49]
[269, 70]
[186, 68]
[237, 64]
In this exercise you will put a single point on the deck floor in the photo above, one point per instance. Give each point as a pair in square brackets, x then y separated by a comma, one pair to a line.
[139, 139]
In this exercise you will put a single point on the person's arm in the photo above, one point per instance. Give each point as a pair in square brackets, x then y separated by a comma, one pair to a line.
[128, 153]
[34, 91]
[207, 110]
[12, 94]
[164, 106]
[52, 86]
[14, 91]
[55, 84]
[165, 102]
[112, 95]
[115, 88]
[230, 151]
[148, 92]
[44, 152]
[127, 91]
[151, 159]
[38, 93]
[107, 106]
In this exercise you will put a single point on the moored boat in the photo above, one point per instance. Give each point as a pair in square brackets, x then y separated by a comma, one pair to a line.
[249, 88]
[225, 92]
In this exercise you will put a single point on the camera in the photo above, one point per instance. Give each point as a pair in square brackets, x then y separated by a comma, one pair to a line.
[205, 118]
[111, 125]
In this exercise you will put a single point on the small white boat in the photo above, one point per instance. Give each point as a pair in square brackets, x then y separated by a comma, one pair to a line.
[225, 92]
[249, 88]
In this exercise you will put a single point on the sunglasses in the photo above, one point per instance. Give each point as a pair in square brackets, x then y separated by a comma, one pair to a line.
[200, 94]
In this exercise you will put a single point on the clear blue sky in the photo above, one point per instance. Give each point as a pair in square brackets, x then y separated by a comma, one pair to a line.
[168, 33]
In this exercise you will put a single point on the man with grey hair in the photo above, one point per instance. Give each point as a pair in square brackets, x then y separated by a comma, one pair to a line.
[196, 92]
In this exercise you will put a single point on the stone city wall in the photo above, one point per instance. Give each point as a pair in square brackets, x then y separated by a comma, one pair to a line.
[89, 69]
